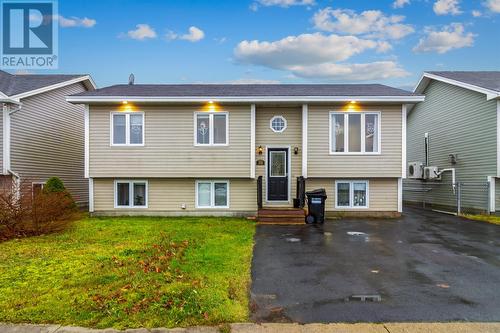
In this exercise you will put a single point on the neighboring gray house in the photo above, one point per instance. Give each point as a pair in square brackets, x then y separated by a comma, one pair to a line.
[455, 128]
[42, 135]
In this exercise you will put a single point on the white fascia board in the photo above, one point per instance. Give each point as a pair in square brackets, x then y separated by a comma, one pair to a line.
[242, 99]
[427, 77]
[85, 78]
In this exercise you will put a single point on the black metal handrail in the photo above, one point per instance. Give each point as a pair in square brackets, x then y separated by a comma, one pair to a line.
[259, 192]
[301, 191]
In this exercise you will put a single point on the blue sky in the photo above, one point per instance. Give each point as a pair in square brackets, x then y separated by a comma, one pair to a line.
[287, 41]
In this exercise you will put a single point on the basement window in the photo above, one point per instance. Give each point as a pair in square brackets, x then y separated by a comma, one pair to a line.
[131, 194]
[351, 194]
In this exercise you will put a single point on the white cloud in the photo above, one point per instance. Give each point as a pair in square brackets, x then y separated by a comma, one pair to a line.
[400, 3]
[451, 37]
[318, 56]
[477, 13]
[378, 70]
[142, 32]
[74, 21]
[372, 23]
[447, 7]
[194, 35]
[493, 5]
[281, 3]
[36, 18]
[303, 49]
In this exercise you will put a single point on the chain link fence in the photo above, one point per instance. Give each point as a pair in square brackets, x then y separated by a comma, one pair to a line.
[461, 198]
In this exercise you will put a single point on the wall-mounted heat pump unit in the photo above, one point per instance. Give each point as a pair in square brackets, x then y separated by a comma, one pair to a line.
[416, 170]
[432, 172]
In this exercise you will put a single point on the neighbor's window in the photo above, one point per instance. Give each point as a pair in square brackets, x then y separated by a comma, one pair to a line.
[278, 124]
[351, 194]
[131, 194]
[36, 189]
[127, 128]
[211, 128]
[212, 194]
[355, 132]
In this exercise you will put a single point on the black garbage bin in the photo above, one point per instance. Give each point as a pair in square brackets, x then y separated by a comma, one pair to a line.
[316, 206]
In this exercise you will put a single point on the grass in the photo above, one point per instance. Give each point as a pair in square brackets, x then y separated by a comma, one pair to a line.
[484, 218]
[130, 272]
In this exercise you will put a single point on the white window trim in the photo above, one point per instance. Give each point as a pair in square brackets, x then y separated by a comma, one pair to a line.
[346, 132]
[289, 172]
[131, 193]
[212, 194]
[284, 121]
[351, 194]
[127, 129]
[211, 128]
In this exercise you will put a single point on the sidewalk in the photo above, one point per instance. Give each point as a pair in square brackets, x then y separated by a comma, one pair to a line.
[278, 328]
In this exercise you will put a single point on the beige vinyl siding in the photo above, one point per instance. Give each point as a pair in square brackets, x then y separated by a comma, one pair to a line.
[47, 139]
[169, 149]
[383, 193]
[291, 137]
[168, 194]
[459, 121]
[322, 164]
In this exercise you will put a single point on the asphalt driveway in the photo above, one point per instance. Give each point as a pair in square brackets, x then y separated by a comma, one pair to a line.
[425, 266]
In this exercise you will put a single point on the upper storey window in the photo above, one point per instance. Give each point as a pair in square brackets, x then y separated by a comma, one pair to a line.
[211, 129]
[127, 128]
[355, 133]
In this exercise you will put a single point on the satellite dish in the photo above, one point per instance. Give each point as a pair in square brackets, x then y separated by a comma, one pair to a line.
[131, 79]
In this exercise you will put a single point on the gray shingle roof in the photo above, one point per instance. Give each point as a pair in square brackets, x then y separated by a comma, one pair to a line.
[487, 80]
[13, 84]
[246, 90]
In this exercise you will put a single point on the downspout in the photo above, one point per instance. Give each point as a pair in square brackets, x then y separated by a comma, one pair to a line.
[453, 177]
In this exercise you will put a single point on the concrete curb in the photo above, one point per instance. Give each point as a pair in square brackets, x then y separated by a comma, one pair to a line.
[276, 328]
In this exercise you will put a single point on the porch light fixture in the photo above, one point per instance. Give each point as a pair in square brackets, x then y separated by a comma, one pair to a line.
[260, 150]
[296, 150]
[124, 102]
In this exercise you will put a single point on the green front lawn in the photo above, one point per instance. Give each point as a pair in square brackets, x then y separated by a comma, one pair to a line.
[484, 218]
[130, 272]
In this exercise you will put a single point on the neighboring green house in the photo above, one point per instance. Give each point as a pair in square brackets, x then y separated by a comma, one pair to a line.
[42, 135]
[455, 128]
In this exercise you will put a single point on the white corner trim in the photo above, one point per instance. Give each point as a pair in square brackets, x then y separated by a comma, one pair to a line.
[5, 139]
[87, 142]
[426, 77]
[491, 194]
[403, 139]
[55, 86]
[252, 141]
[91, 195]
[498, 138]
[305, 114]
[400, 195]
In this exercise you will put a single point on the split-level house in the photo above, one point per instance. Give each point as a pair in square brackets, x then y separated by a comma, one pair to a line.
[230, 149]
[455, 128]
[42, 135]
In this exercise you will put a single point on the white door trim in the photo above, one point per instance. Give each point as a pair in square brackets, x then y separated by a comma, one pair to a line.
[289, 173]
